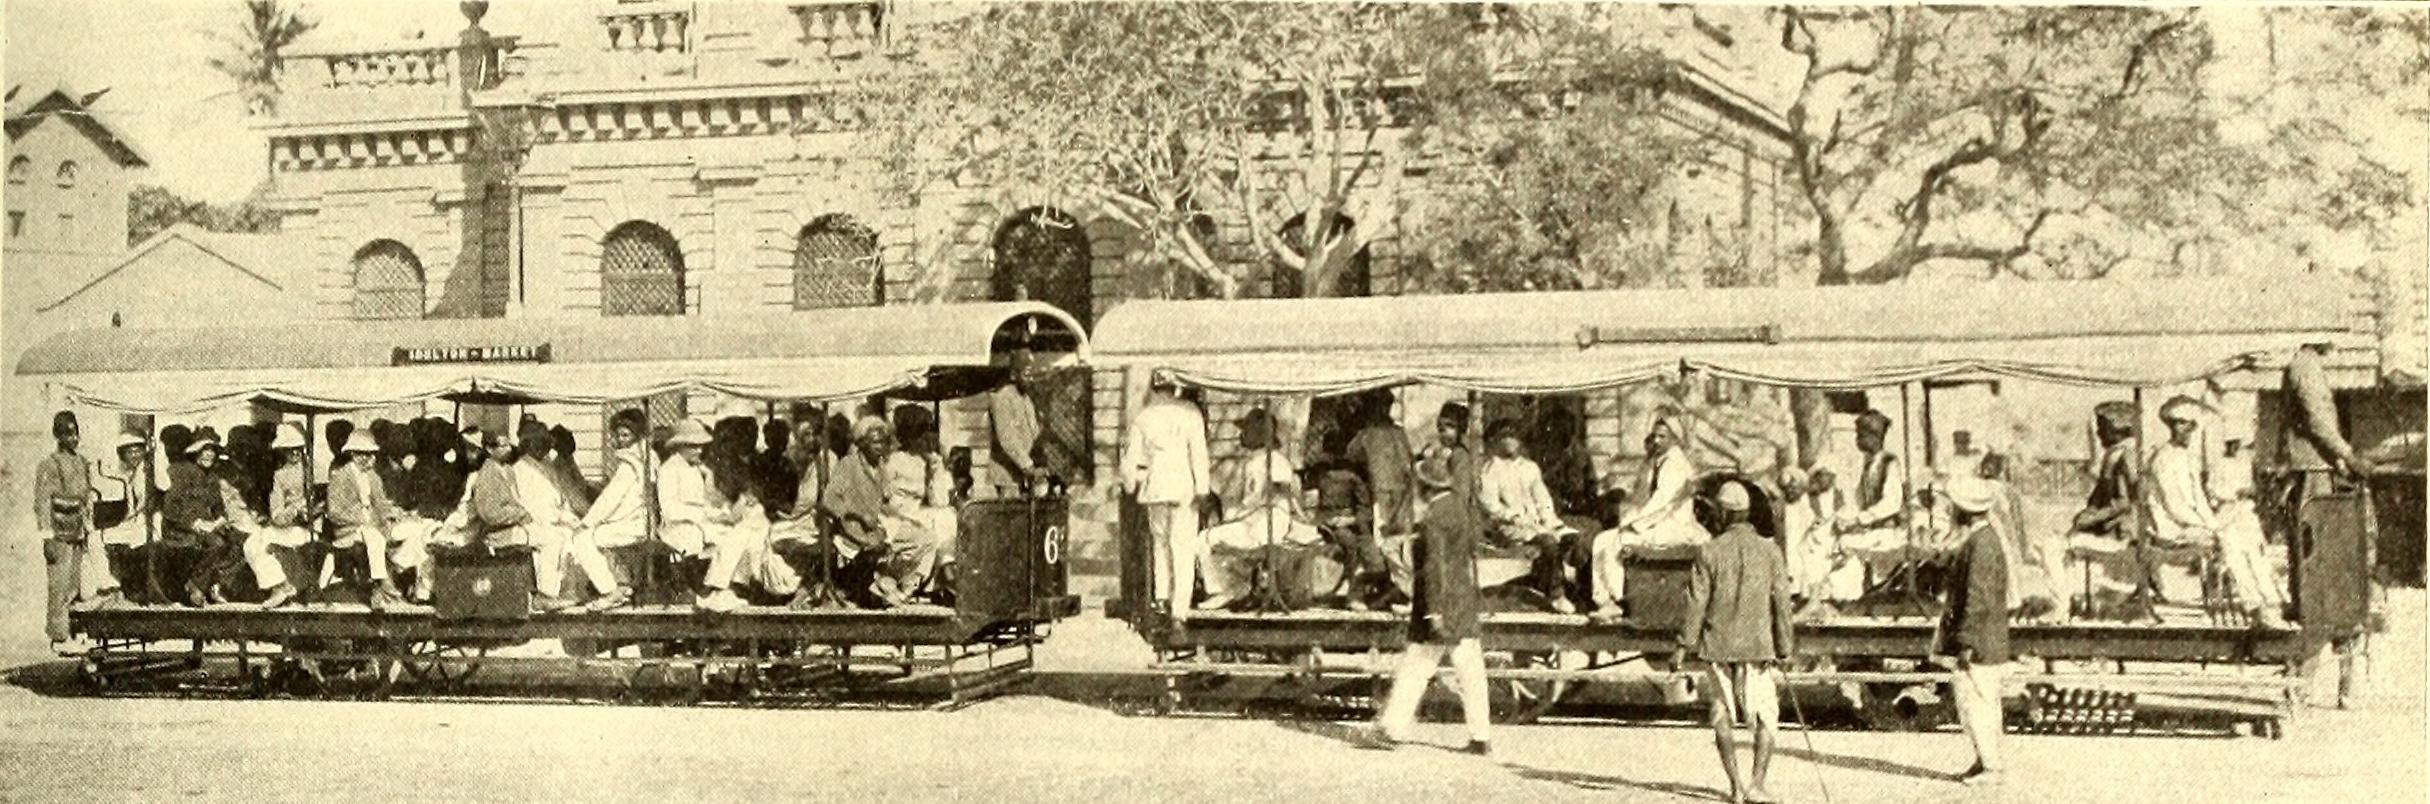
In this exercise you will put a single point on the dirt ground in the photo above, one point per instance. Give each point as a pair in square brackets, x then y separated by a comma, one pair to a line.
[1028, 748]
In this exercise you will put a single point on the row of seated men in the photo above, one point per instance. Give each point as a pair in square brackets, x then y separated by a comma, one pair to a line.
[1843, 542]
[240, 521]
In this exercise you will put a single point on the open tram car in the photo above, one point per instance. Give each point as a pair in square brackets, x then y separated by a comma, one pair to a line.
[2113, 335]
[1011, 588]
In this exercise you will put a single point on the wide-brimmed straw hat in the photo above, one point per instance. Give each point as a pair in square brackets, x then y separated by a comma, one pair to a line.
[689, 433]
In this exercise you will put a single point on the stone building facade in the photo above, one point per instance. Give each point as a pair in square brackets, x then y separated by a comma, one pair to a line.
[661, 158]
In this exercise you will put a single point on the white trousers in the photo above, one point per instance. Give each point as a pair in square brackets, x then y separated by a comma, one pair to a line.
[267, 572]
[2241, 549]
[1978, 708]
[1417, 667]
[401, 545]
[1173, 537]
[732, 549]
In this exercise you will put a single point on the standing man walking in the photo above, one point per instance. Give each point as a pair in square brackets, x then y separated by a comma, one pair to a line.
[1974, 624]
[1739, 623]
[1165, 455]
[1443, 616]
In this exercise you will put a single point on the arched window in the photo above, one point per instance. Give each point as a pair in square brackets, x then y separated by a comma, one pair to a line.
[1042, 255]
[387, 282]
[835, 264]
[1353, 279]
[640, 272]
[19, 169]
[67, 173]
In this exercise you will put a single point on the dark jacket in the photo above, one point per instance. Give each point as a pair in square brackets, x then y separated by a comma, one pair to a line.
[1977, 612]
[1447, 605]
[494, 507]
[1738, 600]
[193, 497]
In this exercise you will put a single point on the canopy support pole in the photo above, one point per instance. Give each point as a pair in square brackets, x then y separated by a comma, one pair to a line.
[1906, 468]
[649, 501]
[1269, 594]
[828, 595]
[2147, 590]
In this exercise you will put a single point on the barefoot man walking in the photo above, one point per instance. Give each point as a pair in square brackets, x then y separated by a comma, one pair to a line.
[1738, 623]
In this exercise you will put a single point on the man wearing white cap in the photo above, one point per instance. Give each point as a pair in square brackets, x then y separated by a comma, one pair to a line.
[1974, 622]
[1738, 622]
[360, 513]
[1445, 614]
[691, 522]
[1164, 457]
[2180, 507]
[289, 523]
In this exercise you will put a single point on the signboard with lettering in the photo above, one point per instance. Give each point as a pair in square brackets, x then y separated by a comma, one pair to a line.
[428, 355]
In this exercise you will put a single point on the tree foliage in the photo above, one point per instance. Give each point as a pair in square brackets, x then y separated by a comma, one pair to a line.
[2034, 140]
[254, 51]
[1547, 133]
[151, 210]
[1164, 117]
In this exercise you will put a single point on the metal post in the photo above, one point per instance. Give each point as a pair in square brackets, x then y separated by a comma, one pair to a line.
[649, 498]
[819, 459]
[1906, 468]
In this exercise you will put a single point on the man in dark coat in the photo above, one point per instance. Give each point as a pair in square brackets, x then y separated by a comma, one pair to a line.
[1738, 622]
[1974, 624]
[1444, 615]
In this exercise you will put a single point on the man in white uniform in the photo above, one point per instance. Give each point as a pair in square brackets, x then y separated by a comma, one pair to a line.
[1165, 466]
[2179, 504]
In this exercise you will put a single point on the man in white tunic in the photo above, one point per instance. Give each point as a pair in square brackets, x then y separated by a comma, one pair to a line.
[2180, 507]
[1665, 516]
[1165, 467]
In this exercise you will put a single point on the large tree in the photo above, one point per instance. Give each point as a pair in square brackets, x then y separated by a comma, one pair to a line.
[1164, 117]
[1555, 165]
[254, 51]
[2043, 141]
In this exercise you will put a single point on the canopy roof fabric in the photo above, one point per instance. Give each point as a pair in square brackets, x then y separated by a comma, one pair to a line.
[2108, 333]
[353, 365]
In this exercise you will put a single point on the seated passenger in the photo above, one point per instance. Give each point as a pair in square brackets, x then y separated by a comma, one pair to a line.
[289, 521]
[1519, 510]
[619, 516]
[549, 525]
[695, 524]
[361, 513]
[2182, 514]
[122, 511]
[1258, 489]
[1873, 525]
[900, 547]
[195, 525]
[919, 486]
[2109, 509]
[1665, 516]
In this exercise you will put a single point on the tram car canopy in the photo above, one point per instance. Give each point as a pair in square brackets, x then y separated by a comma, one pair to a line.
[906, 351]
[2121, 333]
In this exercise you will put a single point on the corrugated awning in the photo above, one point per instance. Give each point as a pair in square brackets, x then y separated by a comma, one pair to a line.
[2111, 333]
[352, 365]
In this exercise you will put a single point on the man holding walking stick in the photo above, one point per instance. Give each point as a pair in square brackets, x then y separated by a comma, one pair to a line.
[1739, 623]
